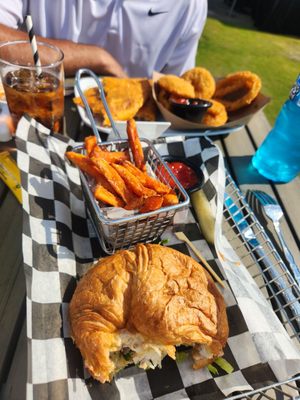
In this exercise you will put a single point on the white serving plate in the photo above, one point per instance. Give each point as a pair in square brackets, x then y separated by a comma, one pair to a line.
[149, 130]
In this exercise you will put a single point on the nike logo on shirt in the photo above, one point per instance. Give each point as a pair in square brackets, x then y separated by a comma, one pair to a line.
[152, 13]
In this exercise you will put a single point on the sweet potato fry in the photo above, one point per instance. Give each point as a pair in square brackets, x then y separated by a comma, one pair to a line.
[135, 171]
[170, 199]
[107, 197]
[146, 180]
[156, 185]
[109, 156]
[135, 145]
[101, 180]
[135, 203]
[89, 143]
[133, 182]
[112, 176]
[151, 204]
[86, 165]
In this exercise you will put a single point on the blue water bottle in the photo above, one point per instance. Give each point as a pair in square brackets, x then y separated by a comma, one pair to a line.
[278, 158]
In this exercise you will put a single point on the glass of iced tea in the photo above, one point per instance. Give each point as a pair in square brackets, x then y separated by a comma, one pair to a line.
[28, 90]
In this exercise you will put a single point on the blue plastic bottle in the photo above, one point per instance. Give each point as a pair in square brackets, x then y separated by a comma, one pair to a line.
[278, 158]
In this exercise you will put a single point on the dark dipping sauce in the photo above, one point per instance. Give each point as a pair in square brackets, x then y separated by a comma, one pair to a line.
[187, 102]
[185, 174]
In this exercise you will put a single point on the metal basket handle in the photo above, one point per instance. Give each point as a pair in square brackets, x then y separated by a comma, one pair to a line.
[86, 71]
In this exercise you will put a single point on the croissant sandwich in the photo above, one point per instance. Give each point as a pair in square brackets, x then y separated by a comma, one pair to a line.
[136, 306]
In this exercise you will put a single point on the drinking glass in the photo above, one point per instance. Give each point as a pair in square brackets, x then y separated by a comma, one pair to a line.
[28, 90]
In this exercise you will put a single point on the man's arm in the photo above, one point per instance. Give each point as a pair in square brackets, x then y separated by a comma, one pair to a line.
[76, 55]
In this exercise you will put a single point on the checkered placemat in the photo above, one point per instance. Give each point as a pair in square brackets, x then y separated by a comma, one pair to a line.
[59, 245]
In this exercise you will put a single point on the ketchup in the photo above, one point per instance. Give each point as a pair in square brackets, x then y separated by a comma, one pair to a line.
[185, 174]
[180, 100]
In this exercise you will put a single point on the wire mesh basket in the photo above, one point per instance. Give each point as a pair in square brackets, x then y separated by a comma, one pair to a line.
[124, 232]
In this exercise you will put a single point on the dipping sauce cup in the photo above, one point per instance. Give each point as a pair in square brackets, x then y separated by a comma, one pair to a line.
[27, 92]
[190, 109]
[192, 179]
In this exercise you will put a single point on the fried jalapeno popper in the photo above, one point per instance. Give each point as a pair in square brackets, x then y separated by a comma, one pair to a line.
[118, 182]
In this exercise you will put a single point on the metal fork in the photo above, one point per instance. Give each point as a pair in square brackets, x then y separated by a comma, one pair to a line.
[274, 213]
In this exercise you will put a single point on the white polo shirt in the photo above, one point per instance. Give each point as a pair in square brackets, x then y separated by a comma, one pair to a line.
[143, 36]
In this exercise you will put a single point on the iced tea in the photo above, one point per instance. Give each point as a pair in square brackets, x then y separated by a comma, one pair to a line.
[41, 97]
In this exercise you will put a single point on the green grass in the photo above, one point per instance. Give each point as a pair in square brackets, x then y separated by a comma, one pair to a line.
[227, 48]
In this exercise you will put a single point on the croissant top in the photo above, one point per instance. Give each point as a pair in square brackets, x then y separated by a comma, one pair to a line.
[137, 305]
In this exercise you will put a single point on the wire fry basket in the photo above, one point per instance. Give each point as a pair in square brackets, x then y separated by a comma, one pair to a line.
[123, 232]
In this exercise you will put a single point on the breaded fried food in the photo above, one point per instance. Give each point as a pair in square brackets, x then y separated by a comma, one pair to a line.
[163, 98]
[112, 84]
[124, 98]
[93, 98]
[146, 88]
[176, 86]
[148, 111]
[237, 90]
[216, 115]
[202, 81]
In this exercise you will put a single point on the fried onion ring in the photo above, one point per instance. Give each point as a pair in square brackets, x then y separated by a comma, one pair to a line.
[202, 80]
[176, 86]
[216, 115]
[237, 90]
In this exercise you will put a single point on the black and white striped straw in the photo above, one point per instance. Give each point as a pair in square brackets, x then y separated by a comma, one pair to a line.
[32, 39]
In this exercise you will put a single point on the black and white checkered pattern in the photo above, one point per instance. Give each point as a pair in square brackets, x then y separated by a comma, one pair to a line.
[59, 245]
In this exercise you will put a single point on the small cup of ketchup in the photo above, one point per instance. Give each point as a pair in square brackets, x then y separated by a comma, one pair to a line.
[186, 173]
[189, 109]
[192, 178]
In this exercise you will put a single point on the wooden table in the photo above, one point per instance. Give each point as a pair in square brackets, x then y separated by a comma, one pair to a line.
[237, 148]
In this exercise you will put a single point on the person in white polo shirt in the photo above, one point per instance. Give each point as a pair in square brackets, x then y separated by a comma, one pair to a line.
[113, 37]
